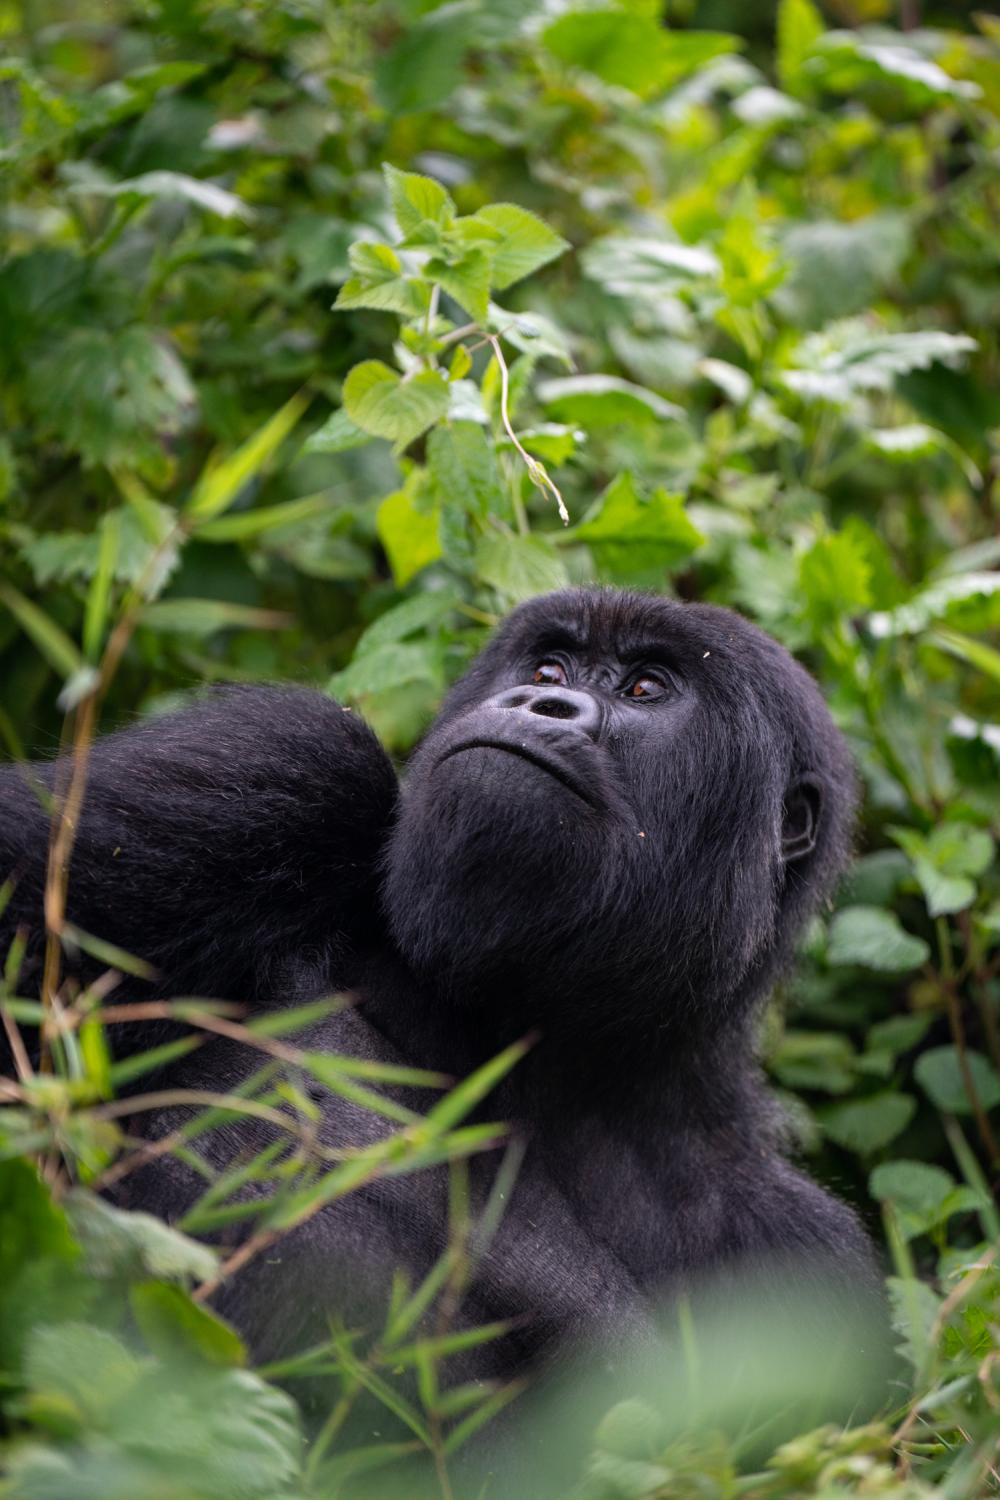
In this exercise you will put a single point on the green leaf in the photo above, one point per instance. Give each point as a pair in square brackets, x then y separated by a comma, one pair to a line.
[380, 283]
[417, 200]
[526, 243]
[410, 535]
[835, 578]
[873, 937]
[605, 401]
[629, 532]
[467, 280]
[51, 640]
[866, 1125]
[113, 396]
[385, 667]
[424, 66]
[463, 469]
[381, 403]
[978, 654]
[847, 359]
[632, 50]
[338, 434]
[407, 618]
[246, 524]
[177, 186]
[40, 1276]
[224, 480]
[939, 1073]
[518, 567]
[174, 1326]
[800, 27]
[117, 1243]
[969, 601]
[204, 617]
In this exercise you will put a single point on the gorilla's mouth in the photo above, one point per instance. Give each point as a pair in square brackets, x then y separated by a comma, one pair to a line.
[553, 768]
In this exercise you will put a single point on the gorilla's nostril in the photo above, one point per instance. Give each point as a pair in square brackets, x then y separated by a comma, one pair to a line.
[555, 708]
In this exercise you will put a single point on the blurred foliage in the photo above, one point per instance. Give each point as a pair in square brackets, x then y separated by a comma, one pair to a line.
[724, 279]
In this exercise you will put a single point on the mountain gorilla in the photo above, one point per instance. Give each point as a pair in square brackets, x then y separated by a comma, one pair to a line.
[625, 813]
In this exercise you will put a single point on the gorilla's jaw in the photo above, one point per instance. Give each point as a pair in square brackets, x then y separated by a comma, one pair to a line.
[502, 844]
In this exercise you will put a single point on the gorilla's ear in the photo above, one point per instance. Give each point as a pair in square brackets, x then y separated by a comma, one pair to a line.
[800, 819]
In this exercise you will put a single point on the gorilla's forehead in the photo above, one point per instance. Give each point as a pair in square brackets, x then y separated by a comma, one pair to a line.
[623, 623]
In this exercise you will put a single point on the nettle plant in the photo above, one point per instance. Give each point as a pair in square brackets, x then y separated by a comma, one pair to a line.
[474, 485]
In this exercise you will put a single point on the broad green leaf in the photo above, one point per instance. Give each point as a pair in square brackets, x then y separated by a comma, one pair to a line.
[381, 403]
[922, 1195]
[410, 535]
[846, 62]
[945, 862]
[834, 578]
[387, 666]
[468, 280]
[632, 50]
[112, 395]
[518, 567]
[867, 1124]
[526, 243]
[605, 401]
[424, 66]
[379, 283]
[939, 1073]
[132, 1245]
[638, 266]
[407, 618]
[463, 469]
[630, 531]
[224, 480]
[872, 937]
[416, 199]
[338, 434]
[174, 1327]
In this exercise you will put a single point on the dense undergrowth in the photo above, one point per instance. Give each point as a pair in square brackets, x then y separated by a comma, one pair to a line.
[726, 291]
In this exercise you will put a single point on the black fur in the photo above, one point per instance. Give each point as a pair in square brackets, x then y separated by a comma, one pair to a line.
[625, 878]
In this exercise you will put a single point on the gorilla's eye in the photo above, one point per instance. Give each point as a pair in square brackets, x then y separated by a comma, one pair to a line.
[549, 671]
[646, 686]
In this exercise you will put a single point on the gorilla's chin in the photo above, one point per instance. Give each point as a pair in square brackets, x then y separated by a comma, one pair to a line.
[490, 858]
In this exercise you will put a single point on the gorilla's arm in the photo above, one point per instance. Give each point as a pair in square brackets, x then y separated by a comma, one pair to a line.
[214, 842]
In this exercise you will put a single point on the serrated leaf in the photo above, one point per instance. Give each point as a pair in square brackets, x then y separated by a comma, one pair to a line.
[338, 434]
[518, 567]
[463, 469]
[835, 578]
[526, 243]
[379, 402]
[940, 1075]
[416, 199]
[407, 618]
[468, 280]
[870, 936]
[970, 601]
[623, 523]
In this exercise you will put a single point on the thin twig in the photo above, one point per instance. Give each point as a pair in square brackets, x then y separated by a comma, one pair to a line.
[537, 472]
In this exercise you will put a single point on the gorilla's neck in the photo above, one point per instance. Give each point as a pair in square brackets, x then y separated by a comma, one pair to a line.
[703, 1080]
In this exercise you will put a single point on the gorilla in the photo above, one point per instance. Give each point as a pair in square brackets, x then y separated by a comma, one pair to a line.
[625, 813]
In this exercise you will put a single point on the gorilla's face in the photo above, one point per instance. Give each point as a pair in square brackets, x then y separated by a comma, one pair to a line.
[608, 808]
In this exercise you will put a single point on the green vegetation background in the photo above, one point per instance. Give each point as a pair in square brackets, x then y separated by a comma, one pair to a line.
[764, 371]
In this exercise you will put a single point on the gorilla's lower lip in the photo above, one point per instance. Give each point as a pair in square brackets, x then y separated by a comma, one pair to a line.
[524, 752]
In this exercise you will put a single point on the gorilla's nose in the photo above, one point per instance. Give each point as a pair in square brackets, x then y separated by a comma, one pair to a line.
[549, 701]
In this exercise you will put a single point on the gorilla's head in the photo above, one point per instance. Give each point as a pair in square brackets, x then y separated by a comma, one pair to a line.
[626, 810]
